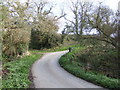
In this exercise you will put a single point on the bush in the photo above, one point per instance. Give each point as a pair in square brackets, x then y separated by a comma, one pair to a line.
[15, 29]
[44, 39]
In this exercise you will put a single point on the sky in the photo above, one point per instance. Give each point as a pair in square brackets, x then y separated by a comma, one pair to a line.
[64, 4]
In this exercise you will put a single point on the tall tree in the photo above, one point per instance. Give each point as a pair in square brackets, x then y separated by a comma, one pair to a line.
[105, 22]
[79, 10]
[16, 31]
[44, 31]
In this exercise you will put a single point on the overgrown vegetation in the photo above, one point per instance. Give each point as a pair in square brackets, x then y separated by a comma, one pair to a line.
[19, 34]
[16, 72]
[87, 18]
[103, 52]
[22, 29]
[15, 29]
[44, 31]
[33, 26]
[81, 66]
[100, 59]
[44, 39]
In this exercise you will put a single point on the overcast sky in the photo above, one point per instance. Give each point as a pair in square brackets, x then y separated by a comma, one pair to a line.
[64, 4]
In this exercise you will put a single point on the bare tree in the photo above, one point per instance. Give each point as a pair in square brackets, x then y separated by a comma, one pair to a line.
[103, 20]
[79, 10]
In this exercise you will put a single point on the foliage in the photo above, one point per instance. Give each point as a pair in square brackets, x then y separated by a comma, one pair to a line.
[44, 37]
[104, 20]
[16, 31]
[23, 29]
[77, 69]
[100, 59]
[55, 49]
[90, 18]
[18, 72]
[44, 28]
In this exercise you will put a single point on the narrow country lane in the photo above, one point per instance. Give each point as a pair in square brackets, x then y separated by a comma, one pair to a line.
[47, 73]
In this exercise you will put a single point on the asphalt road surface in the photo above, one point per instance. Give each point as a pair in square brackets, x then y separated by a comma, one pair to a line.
[47, 73]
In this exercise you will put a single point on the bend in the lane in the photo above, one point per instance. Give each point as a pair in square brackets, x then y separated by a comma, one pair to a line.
[47, 73]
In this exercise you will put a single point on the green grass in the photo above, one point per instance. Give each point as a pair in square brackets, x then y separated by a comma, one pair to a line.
[19, 69]
[94, 77]
[18, 72]
[55, 49]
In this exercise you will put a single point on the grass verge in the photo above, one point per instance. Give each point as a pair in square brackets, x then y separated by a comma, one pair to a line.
[94, 77]
[55, 49]
[18, 72]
